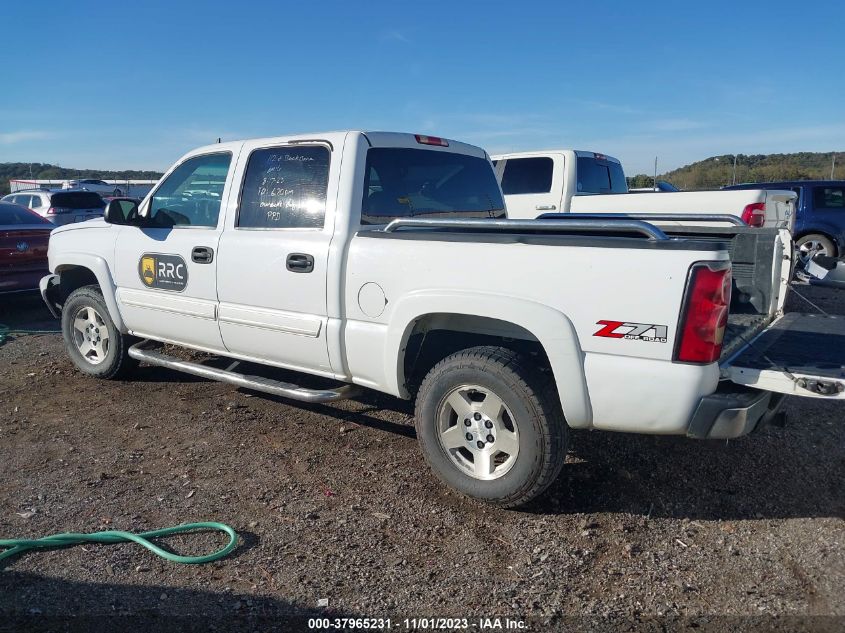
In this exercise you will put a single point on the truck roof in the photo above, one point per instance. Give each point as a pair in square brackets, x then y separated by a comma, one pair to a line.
[336, 138]
[544, 152]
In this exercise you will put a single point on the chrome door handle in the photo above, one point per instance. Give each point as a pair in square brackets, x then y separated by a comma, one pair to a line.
[545, 207]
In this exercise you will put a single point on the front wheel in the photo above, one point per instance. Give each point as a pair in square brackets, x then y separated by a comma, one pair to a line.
[490, 425]
[92, 340]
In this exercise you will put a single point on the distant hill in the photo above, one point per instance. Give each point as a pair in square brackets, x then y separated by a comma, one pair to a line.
[44, 171]
[717, 171]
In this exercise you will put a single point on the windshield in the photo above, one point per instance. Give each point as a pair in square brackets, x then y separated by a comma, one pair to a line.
[407, 182]
[600, 176]
[77, 200]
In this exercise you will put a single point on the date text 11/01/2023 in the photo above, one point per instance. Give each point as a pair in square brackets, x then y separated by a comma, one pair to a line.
[417, 624]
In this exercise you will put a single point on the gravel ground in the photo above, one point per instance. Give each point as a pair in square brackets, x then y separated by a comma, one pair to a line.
[334, 503]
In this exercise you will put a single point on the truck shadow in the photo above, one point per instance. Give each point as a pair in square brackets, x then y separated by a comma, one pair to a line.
[776, 473]
[34, 602]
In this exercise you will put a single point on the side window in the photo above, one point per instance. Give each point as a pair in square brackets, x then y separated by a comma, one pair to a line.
[285, 188]
[829, 197]
[191, 195]
[527, 175]
[36, 202]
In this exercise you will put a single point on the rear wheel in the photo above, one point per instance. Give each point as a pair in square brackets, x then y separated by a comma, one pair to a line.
[92, 340]
[490, 425]
[809, 246]
[117, 193]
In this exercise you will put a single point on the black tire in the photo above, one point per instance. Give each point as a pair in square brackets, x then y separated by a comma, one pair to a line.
[116, 362]
[824, 243]
[532, 399]
[117, 193]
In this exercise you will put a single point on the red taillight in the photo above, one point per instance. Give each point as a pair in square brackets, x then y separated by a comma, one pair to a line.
[51, 211]
[431, 140]
[754, 214]
[705, 313]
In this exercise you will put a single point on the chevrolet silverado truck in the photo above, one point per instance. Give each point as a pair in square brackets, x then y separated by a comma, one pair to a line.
[574, 181]
[385, 261]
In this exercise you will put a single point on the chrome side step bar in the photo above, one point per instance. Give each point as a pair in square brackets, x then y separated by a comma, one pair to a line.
[257, 383]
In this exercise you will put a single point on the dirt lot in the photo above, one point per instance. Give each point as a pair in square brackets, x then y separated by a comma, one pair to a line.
[335, 502]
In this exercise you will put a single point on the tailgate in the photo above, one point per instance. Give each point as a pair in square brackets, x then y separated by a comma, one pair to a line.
[799, 354]
[780, 207]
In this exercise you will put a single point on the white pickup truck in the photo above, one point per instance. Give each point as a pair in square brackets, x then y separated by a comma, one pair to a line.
[384, 261]
[574, 181]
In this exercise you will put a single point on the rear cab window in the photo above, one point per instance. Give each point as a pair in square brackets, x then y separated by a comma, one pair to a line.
[409, 182]
[596, 174]
[527, 175]
[285, 188]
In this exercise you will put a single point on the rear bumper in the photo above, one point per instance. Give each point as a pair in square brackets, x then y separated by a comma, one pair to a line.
[733, 411]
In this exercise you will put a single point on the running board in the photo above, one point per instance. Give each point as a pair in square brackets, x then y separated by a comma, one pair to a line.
[256, 383]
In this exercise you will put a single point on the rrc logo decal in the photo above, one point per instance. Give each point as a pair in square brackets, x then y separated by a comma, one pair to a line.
[165, 272]
[633, 331]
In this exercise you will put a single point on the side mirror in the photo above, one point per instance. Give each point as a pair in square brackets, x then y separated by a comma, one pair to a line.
[122, 211]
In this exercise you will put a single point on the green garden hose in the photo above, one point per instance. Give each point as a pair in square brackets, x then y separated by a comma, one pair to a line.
[15, 547]
[6, 332]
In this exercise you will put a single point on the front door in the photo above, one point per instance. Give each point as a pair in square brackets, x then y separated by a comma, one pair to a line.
[166, 271]
[272, 270]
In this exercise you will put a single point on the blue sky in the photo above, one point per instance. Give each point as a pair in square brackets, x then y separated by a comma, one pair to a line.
[118, 85]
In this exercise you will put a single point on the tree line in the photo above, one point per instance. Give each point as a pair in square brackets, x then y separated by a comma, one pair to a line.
[718, 171]
[45, 171]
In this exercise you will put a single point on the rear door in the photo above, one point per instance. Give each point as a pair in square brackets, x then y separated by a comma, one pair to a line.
[532, 185]
[799, 354]
[272, 271]
[166, 272]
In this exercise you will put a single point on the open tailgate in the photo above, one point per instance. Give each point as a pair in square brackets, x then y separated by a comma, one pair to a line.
[799, 354]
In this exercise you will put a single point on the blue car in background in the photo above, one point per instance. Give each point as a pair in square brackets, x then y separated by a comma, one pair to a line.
[819, 217]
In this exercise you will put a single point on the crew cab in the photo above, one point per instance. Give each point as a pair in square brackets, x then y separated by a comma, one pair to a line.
[386, 261]
[574, 181]
[819, 218]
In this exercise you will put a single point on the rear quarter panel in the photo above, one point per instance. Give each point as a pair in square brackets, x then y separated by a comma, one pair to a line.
[584, 285]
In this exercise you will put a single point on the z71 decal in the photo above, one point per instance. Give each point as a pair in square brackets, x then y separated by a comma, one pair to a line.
[165, 272]
[633, 331]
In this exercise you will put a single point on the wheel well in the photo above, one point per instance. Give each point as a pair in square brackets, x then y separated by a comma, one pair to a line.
[73, 277]
[436, 336]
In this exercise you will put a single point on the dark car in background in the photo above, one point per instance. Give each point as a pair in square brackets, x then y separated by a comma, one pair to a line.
[61, 206]
[24, 236]
[819, 215]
